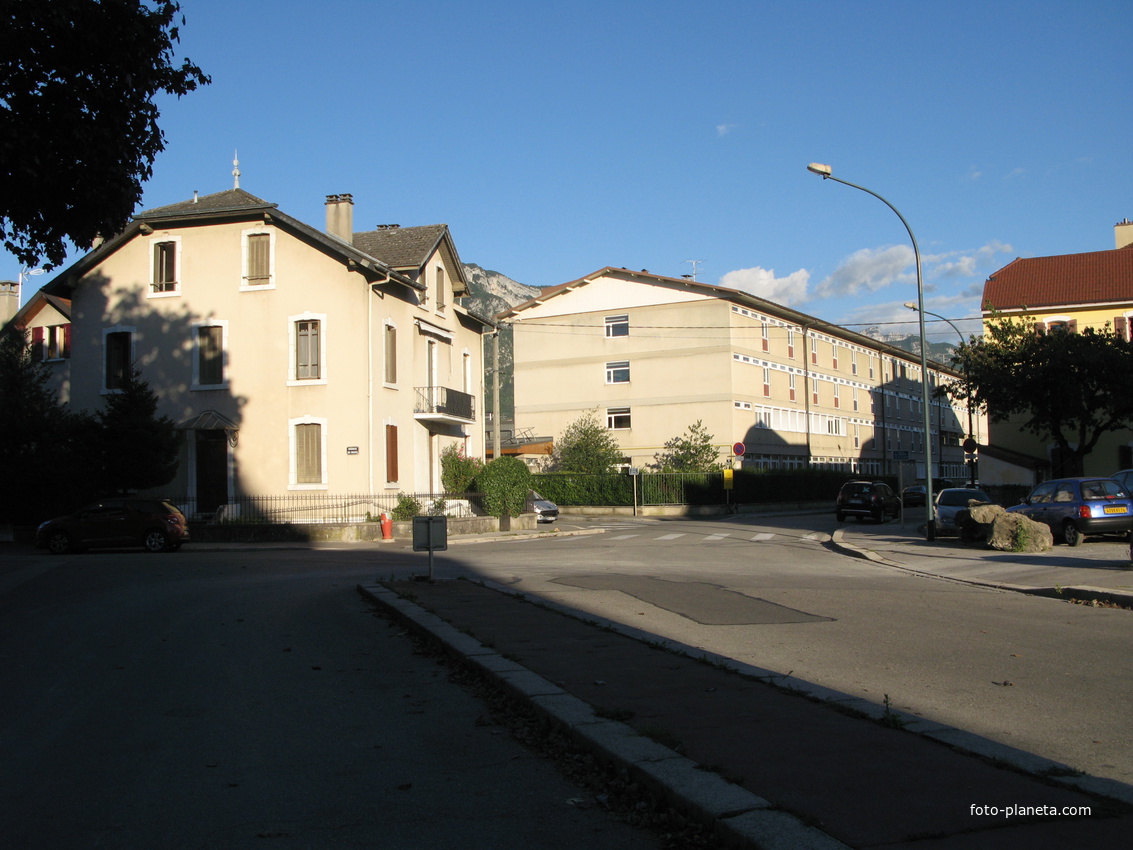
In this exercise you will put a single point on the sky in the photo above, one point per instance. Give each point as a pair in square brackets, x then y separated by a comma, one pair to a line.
[557, 137]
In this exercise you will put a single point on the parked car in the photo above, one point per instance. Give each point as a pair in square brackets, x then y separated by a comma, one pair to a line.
[545, 510]
[951, 500]
[867, 498]
[154, 524]
[914, 495]
[1075, 508]
[1125, 479]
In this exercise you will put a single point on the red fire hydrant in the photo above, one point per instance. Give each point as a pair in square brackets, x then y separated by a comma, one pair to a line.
[387, 528]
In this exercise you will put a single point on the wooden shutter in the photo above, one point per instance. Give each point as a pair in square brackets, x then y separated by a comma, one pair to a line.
[308, 454]
[67, 340]
[391, 453]
[307, 349]
[37, 344]
[259, 258]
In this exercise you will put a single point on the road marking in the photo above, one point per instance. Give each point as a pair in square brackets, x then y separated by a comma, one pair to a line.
[624, 536]
[763, 535]
[670, 536]
[715, 537]
[812, 536]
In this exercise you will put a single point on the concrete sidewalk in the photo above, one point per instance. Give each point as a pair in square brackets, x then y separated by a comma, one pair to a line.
[767, 761]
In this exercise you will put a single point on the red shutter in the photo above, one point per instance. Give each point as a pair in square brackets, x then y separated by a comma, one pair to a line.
[37, 343]
[391, 453]
[67, 340]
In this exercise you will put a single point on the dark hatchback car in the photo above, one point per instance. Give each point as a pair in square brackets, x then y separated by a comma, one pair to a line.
[867, 499]
[1075, 508]
[153, 524]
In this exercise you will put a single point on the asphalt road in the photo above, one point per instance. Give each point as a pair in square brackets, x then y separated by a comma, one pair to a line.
[218, 699]
[1045, 676]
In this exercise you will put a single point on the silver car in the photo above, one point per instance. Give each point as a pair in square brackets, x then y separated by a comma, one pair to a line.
[950, 501]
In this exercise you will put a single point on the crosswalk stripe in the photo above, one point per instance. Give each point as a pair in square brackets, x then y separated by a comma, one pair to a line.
[763, 535]
[715, 537]
[624, 536]
[670, 536]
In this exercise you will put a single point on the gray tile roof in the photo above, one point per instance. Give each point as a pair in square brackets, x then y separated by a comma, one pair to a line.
[232, 200]
[401, 247]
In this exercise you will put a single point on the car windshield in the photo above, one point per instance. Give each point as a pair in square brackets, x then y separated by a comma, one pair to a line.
[960, 498]
[856, 489]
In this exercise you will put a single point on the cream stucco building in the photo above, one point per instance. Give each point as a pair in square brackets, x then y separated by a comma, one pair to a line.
[654, 355]
[295, 359]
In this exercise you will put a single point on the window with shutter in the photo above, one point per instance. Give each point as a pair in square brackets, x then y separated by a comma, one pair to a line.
[306, 349]
[259, 259]
[391, 454]
[308, 454]
[210, 355]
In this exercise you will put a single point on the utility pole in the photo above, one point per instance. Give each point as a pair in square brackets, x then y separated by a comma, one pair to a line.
[496, 394]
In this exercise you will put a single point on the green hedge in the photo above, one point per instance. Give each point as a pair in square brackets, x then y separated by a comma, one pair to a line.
[812, 485]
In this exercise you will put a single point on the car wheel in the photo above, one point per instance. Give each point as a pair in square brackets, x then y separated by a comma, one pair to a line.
[1071, 534]
[59, 543]
[155, 541]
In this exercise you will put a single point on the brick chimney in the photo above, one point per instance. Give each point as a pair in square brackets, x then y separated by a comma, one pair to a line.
[340, 217]
[9, 300]
[1123, 233]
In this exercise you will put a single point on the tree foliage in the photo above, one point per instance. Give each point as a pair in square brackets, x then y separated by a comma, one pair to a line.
[504, 483]
[586, 446]
[693, 451]
[78, 117]
[139, 449]
[43, 448]
[1069, 388]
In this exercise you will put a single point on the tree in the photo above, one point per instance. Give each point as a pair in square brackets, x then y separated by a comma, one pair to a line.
[47, 468]
[691, 452]
[458, 471]
[586, 446]
[504, 483]
[139, 449]
[78, 121]
[1069, 388]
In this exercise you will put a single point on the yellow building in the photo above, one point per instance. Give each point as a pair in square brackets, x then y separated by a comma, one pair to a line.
[654, 355]
[296, 359]
[1068, 292]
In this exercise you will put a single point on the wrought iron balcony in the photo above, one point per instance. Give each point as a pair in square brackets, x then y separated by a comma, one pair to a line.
[441, 404]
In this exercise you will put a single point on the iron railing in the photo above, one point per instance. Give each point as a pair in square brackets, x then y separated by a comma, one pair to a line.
[322, 508]
[442, 400]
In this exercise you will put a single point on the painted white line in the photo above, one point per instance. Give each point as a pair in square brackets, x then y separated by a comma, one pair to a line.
[712, 537]
[624, 536]
[763, 535]
[670, 536]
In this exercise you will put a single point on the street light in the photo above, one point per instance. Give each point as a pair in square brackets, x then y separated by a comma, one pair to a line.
[968, 400]
[824, 171]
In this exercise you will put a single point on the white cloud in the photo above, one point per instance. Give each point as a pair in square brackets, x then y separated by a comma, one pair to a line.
[869, 270]
[788, 291]
[724, 129]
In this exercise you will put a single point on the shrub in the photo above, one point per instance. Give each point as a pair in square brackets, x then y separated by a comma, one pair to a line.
[407, 507]
[504, 483]
[458, 471]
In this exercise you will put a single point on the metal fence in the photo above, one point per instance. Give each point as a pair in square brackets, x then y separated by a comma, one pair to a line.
[315, 508]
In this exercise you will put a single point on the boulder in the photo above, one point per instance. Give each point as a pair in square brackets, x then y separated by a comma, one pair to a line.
[1013, 532]
[976, 521]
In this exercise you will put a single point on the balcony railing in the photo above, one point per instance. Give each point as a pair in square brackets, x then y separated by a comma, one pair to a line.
[442, 403]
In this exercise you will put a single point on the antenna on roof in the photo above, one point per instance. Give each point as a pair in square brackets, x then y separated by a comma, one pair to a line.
[236, 169]
[695, 263]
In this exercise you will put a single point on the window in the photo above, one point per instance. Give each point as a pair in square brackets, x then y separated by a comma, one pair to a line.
[391, 353]
[258, 252]
[308, 469]
[791, 385]
[814, 351]
[164, 278]
[834, 355]
[440, 284]
[307, 349]
[617, 418]
[766, 338]
[391, 454]
[208, 355]
[853, 362]
[791, 345]
[617, 326]
[837, 396]
[52, 342]
[118, 357]
[617, 372]
[766, 381]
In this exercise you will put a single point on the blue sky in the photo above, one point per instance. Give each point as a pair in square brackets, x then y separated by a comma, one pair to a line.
[555, 138]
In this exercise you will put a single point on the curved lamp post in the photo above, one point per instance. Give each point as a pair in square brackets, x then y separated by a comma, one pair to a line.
[968, 400]
[824, 171]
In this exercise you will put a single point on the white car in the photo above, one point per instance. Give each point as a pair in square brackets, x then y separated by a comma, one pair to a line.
[545, 510]
[951, 501]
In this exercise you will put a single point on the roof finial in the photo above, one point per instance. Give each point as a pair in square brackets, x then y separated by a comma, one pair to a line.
[236, 170]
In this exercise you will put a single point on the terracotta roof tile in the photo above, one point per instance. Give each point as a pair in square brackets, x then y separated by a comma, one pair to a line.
[1098, 277]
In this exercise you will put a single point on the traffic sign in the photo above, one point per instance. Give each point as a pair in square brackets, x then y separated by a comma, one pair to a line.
[739, 449]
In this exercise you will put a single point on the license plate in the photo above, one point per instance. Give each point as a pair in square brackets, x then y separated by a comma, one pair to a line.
[1116, 509]
[859, 501]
